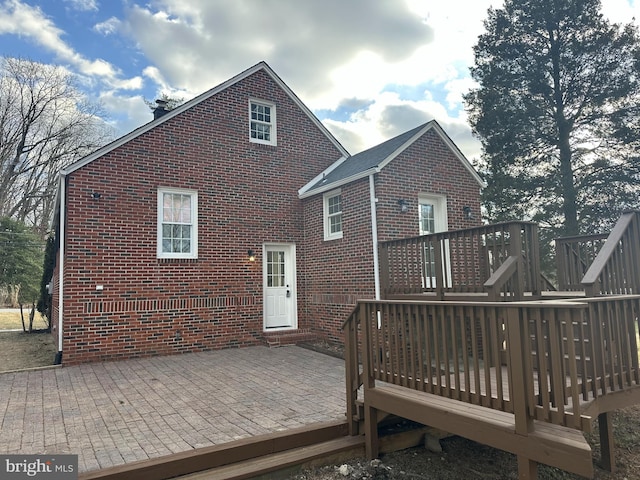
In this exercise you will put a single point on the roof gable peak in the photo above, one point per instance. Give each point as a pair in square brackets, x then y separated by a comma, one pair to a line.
[262, 65]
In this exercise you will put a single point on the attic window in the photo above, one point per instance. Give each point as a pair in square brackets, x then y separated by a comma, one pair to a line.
[333, 215]
[262, 122]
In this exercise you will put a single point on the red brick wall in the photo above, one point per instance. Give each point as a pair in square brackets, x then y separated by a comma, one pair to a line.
[338, 272]
[341, 271]
[247, 195]
[427, 167]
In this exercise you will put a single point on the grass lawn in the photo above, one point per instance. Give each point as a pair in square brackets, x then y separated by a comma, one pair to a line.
[10, 319]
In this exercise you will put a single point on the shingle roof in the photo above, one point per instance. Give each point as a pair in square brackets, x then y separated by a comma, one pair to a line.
[366, 160]
[374, 159]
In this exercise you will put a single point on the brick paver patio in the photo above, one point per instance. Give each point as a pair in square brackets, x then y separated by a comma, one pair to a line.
[119, 412]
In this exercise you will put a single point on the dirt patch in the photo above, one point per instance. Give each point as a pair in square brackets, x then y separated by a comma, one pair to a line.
[463, 459]
[19, 350]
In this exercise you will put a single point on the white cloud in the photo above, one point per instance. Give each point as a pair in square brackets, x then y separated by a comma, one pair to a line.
[31, 22]
[108, 27]
[373, 69]
[389, 115]
[83, 5]
[126, 112]
[621, 11]
[303, 41]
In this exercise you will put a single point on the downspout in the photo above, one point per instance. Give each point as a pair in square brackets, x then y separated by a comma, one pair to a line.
[374, 235]
[62, 219]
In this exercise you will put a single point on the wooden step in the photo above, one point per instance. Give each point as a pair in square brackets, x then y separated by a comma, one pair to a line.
[205, 458]
[554, 445]
[332, 451]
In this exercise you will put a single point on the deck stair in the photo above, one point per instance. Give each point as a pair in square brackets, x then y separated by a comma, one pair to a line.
[274, 455]
[554, 445]
[282, 464]
[238, 459]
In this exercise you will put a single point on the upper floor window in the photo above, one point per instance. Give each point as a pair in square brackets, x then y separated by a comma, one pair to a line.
[333, 215]
[177, 223]
[262, 122]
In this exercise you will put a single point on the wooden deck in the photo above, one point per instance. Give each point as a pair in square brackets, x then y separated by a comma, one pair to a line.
[542, 370]
[472, 339]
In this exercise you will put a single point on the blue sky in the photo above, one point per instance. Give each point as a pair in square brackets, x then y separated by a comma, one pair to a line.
[368, 69]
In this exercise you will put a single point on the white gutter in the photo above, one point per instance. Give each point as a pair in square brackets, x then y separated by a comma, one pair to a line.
[374, 235]
[62, 221]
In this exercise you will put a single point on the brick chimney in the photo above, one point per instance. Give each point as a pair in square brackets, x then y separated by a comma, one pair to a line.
[161, 109]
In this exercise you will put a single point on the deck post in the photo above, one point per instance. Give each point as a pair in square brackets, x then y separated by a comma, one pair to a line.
[515, 250]
[516, 335]
[351, 369]
[516, 348]
[607, 456]
[371, 432]
[370, 413]
[527, 469]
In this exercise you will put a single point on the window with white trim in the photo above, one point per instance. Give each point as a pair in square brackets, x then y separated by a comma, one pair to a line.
[333, 215]
[177, 223]
[262, 122]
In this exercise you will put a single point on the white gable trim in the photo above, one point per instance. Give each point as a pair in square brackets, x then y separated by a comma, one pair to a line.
[321, 175]
[339, 183]
[445, 138]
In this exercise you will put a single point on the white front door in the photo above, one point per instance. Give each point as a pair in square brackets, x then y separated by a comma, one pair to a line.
[279, 272]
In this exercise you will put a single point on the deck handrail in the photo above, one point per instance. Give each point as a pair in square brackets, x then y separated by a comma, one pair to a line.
[541, 360]
[616, 268]
[463, 261]
[353, 374]
[574, 256]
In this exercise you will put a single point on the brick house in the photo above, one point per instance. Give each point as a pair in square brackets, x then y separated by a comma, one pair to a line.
[238, 219]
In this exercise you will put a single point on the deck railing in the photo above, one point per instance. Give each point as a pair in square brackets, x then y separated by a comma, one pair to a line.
[501, 260]
[616, 268]
[574, 255]
[538, 360]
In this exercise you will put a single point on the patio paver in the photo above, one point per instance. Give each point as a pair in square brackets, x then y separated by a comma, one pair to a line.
[119, 412]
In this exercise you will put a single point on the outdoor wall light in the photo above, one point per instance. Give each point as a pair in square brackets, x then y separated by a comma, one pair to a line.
[404, 206]
[252, 255]
[96, 195]
[468, 214]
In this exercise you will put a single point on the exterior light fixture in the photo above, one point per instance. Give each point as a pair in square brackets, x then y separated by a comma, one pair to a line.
[252, 255]
[404, 206]
[468, 214]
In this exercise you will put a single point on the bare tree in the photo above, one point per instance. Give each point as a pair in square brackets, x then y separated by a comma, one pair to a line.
[46, 123]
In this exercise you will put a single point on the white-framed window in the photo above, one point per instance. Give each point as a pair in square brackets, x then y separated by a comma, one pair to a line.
[177, 223]
[332, 215]
[262, 122]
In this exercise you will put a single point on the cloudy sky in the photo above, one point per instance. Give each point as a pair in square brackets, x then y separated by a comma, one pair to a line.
[369, 69]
